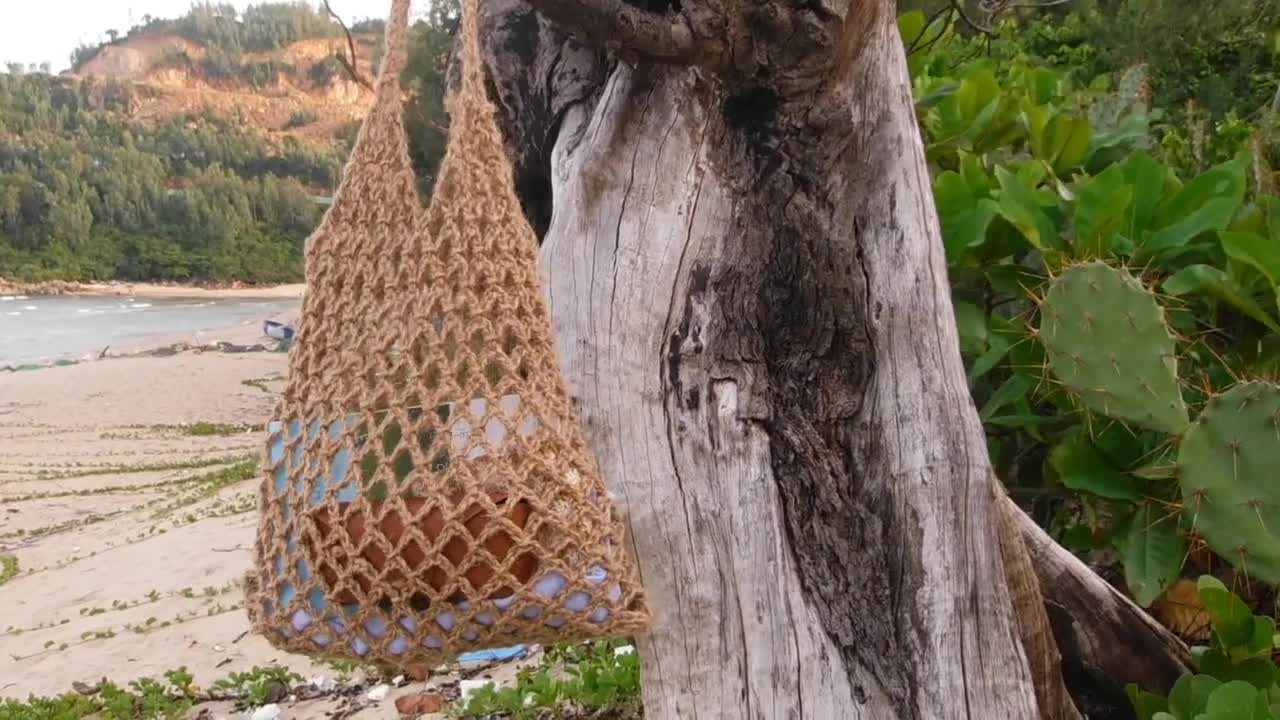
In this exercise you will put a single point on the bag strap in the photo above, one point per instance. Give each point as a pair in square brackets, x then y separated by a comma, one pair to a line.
[473, 89]
[378, 186]
[387, 95]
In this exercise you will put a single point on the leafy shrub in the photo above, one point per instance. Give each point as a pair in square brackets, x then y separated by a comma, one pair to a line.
[8, 568]
[322, 73]
[256, 686]
[1236, 678]
[1220, 54]
[1036, 172]
[591, 679]
[145, 699]
[263, 74]
[369, 26]
[175, 58]
[301, 118]
[85, 194]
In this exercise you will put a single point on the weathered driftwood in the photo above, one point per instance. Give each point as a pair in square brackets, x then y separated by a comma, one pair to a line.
[1106, 640]
[751, 304]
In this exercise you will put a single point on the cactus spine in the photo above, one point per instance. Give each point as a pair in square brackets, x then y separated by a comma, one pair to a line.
[1229, 473]
[1107, 341]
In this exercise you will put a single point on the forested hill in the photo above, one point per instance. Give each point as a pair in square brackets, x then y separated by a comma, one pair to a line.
[200, 148]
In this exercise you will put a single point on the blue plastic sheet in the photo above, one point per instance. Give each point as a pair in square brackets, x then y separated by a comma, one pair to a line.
[495, 655]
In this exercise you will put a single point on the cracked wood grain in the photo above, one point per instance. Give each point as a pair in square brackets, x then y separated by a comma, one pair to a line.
[759, 372]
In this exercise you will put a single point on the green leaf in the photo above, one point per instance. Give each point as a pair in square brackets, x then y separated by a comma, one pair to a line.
[989, 359]
[911, 26]
[1214, 283]
[1190, 695]
[1038, 85]
[1036, 119]
[1262, 642]
[1018, 204]
[1147, 178]
[1147, 705]
[1153, 554]
[1080, 466]
[971, 322]
[964, 216]
[1273, 700]
[1207, 203]
[1014, 388]
[1109, 142]
[1258, 672]
[1064, 143]
[965, 113]
[1261, 253]
[1236, 700]
[1012, 279]
[1232, 619]
[1101, 207]
[975, 175]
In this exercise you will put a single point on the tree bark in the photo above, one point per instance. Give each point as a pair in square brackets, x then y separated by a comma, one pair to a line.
[751, 305]
[750, 302]
[1106, 640]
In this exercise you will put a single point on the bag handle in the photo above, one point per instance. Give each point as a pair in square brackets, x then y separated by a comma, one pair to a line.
[473, 89]
[378, 183]
[387, 95]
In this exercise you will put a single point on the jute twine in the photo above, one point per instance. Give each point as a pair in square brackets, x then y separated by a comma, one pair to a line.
[427, 489]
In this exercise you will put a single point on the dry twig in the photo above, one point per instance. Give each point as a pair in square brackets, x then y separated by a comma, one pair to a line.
[349, 63]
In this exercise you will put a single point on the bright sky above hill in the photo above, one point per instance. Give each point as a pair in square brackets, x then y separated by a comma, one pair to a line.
[36, 31]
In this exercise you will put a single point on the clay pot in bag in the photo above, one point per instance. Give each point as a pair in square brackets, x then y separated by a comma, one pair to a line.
[434, 572]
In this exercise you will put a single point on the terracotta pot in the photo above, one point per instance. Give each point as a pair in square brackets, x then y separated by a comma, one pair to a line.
[437, 573]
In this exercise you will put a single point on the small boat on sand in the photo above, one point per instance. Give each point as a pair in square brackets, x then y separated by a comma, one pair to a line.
[277, 330]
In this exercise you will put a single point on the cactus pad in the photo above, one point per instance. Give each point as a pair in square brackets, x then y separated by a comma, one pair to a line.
[1107, 341]
[1228, 469]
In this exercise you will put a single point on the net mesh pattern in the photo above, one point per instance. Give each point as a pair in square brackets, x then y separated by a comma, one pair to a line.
[427, 488]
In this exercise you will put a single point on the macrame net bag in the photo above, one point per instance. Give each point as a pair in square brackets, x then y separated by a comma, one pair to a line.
[428, 490]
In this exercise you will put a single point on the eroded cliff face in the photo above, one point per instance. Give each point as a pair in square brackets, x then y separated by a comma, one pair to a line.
[301, 92]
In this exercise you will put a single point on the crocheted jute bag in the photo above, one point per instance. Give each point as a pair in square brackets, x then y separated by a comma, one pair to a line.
[427, 489]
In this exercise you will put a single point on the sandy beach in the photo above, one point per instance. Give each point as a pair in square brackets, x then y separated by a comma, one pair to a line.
[132, 530]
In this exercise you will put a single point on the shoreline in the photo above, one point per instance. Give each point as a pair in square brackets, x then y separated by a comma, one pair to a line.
[229, 339]
[56, 288]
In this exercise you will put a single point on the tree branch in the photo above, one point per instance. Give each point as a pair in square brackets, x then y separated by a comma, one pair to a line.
[1106, 640]
[615, 25]
[349, 64]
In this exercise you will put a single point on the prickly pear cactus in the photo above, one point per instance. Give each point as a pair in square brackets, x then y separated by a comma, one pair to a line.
[1229, 472]
[1107, 341]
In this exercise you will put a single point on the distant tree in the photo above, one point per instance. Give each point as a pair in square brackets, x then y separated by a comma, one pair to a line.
[85, 194]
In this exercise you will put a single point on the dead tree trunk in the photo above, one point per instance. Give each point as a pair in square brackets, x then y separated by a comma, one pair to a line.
[752, 307]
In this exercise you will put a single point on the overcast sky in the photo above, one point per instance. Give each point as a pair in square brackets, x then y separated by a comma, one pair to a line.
[36, 31]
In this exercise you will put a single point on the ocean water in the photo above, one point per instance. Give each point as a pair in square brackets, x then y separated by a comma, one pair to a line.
[38, 329]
